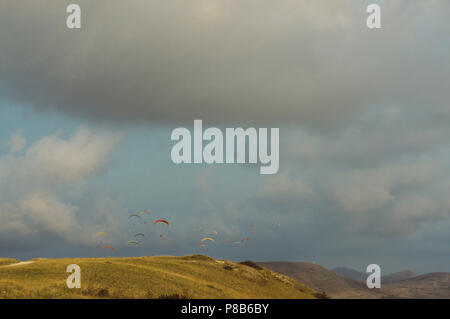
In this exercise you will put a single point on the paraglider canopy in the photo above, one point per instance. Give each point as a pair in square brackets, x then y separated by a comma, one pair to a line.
[107, 247]
[161, 221]
[207, 238]
[142, 212]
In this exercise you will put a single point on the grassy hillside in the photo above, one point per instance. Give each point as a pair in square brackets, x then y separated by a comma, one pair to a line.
[7, 261]
[148, 277]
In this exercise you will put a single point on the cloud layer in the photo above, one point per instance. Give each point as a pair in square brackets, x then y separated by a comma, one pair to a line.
[300, 62]
[35, 179]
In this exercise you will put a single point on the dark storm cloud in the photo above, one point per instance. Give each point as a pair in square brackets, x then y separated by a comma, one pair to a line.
[301, 62]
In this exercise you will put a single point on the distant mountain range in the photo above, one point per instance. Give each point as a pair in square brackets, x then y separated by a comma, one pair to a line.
[347, 283]
[349, 273]
[323, 280]
[398, 276]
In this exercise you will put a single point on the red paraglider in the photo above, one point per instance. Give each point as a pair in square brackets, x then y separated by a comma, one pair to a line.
[161, 221]
[107, 247]
[244, 239]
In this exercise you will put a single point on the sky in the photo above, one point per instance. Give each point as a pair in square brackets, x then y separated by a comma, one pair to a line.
[86, 118]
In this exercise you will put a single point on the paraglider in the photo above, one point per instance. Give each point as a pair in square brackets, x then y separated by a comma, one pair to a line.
[207, 238]
[244, 239]
[133, 242]
[278, 223]
[161, 221]
[107, 247]
[226, 239]
[140, 234]
[101, 236]
[142, 212]
[252, 226]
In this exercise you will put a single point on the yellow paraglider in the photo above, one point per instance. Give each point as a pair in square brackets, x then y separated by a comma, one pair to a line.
[142, 212]
[207, 238]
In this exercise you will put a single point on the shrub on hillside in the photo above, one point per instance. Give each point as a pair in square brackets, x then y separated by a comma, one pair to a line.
[252, 264]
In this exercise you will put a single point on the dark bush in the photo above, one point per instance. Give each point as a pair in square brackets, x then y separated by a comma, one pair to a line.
[103, 293]
[321, 295]
[252, 264]
[149, 295]
[97, 292]
[198, 257]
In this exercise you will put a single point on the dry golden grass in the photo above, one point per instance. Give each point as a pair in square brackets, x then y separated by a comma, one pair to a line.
[7, 261]
[148, 277]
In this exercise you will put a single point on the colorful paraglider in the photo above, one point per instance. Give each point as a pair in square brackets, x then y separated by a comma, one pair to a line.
[133, 242]
[207, 238]
[101, 236]
[142, 212]
[161, 221]
[107, 247]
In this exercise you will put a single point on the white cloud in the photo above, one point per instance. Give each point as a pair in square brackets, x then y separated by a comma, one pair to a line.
[32, 184]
